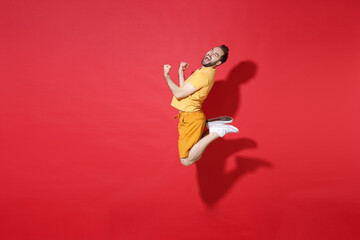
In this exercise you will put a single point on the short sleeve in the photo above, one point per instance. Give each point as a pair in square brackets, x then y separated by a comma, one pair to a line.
[199, 80]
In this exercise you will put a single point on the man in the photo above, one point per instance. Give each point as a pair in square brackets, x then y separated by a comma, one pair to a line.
[188, 99]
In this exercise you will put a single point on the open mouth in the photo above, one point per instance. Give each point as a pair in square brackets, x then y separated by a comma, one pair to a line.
[207, 58]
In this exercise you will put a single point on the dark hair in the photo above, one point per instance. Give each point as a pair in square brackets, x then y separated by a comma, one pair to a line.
[226, 53]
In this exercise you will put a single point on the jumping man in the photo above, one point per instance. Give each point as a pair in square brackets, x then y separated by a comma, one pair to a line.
[188, 99]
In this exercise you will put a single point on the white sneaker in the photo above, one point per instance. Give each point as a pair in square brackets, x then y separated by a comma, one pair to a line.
[218, 121]
[221, 130]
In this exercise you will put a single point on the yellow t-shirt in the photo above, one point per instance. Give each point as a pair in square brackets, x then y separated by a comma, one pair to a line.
[203, 80]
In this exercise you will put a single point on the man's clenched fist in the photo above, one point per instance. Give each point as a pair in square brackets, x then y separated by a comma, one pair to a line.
[183, 66]
[166, 69]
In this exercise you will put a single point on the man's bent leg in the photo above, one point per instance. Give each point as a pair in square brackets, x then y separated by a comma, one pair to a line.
[198, 149]
[214, 132]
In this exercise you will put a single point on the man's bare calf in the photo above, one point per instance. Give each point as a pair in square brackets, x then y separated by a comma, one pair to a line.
[198, 149]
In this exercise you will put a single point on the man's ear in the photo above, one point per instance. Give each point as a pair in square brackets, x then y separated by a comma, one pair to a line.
[218, 63]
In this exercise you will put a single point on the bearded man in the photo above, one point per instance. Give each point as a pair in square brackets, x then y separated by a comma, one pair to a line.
[188, 99]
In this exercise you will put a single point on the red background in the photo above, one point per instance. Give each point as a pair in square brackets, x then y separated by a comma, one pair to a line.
[89, 143]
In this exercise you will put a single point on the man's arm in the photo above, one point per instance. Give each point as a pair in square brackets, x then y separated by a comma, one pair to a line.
[178, 92]
[183, 66]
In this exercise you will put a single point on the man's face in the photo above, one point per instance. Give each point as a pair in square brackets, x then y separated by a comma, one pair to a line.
[212, 57]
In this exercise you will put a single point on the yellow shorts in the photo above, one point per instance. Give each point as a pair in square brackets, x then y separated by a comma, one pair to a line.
[191, 127]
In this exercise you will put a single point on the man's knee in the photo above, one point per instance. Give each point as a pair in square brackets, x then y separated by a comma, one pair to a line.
[186, 161]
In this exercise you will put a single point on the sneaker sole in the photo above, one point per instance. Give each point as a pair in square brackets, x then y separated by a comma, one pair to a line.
[219, 120]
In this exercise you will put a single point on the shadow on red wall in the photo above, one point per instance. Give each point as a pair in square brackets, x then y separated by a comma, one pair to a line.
[224, 99]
